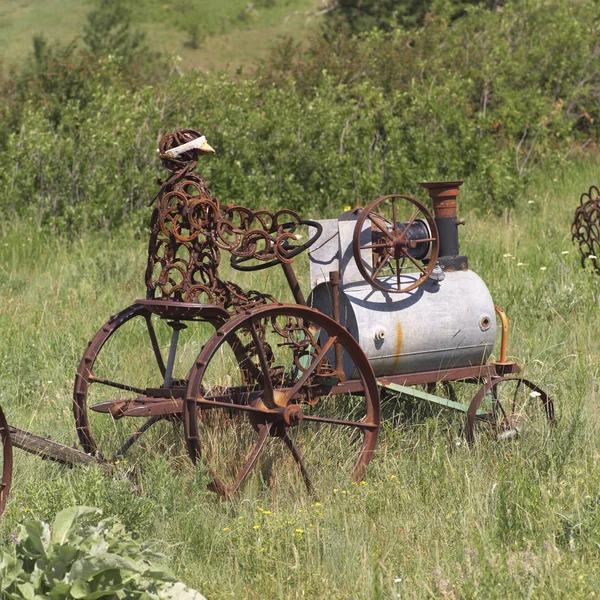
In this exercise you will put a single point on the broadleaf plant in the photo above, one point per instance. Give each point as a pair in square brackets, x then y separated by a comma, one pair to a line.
[80, 557]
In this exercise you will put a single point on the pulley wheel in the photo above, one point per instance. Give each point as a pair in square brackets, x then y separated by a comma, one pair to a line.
[403, 246]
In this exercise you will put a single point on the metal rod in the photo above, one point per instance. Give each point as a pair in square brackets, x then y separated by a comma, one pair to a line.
[504, 343]
[293, 283]
[334, 279]
[177, 326]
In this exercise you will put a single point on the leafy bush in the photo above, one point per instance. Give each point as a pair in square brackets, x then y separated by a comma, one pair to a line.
[488, 98]
[75, 559]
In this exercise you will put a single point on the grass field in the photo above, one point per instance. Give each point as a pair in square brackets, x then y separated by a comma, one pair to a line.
[228, 34]
[434, 518]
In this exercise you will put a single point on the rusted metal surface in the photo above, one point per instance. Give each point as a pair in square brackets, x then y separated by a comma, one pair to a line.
[394, 249]
[585, 230]
[284, 374]
[281, 398]
[48, 449]
[443, 194]
[190, 228]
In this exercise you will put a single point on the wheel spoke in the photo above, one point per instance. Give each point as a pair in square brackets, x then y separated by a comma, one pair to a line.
[115, 384]
[136, 436]
[424, 240]
[219, 487]
[394, 213]
[309, 371]
[264, 365]
[290, 444]
[398, 270]
[381, 228]
[358, 424]
[380, 266]
[412, 260]
[514, 402]
[412, 220]
[374, 246]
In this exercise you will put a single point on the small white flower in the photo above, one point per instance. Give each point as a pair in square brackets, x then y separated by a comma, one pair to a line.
[534, 394]
[507, 256]
[565, 252]
[555, 180]
[542, 268]
[398, 580]
[531, 202]
[592, 256]
[521, 264]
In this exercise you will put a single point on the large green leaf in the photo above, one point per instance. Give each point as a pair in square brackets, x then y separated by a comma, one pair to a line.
[67, 518]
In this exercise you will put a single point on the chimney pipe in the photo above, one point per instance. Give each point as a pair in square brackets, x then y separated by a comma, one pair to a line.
[444, 194]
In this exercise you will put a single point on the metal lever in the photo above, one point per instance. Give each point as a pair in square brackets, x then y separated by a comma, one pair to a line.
[177, 326]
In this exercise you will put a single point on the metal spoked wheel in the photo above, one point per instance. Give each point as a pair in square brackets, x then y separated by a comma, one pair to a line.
[403, 235]
[507, 406]
[125, 392]
[7, 461]
[294, 410]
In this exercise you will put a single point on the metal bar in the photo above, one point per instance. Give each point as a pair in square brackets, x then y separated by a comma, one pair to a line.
[293, 283]
[52, 450]
[334, 279]
[420, 395]
[457, 374]
[504, 342]
[177, 327]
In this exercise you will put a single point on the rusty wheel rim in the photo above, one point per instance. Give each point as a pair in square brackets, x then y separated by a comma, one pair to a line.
[142, 403]
[7, 461]
[512, 404]
[282, 400]
[393, 253]
[88, 380]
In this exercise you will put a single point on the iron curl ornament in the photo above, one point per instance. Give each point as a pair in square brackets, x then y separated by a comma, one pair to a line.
[585, 230]
[190, 228]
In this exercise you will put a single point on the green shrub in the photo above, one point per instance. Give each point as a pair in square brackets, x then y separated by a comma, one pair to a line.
[488, 98]
[75, 559]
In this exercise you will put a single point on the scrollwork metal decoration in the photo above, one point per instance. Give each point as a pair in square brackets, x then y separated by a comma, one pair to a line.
[585, 230]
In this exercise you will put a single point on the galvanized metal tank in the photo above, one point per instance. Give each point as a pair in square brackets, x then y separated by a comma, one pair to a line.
[438, 326]
[446, 322]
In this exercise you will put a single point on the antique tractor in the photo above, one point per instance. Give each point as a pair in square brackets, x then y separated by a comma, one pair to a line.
[393, 307]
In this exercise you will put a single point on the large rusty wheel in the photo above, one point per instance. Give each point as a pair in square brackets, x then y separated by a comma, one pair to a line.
[403, 247]
[7, 461]
[291, 404]
[122, 393]
[511, 405]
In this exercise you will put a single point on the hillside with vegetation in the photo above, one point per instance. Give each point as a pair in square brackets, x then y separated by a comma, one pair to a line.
[340, 109]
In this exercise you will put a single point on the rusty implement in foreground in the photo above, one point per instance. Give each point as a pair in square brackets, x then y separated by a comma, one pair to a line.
[393, 310]
[585, 230]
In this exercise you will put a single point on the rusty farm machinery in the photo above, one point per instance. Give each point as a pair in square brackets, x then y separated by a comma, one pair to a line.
[393, 309]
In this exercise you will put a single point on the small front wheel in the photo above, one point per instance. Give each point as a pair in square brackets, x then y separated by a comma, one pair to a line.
[510, 404]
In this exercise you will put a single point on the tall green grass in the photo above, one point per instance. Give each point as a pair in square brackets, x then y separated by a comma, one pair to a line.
[434, 518]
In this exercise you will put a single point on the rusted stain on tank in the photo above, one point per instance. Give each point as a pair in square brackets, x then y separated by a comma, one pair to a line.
[398, 343]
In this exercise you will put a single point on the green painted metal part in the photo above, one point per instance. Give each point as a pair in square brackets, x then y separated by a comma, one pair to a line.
[420, 395]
